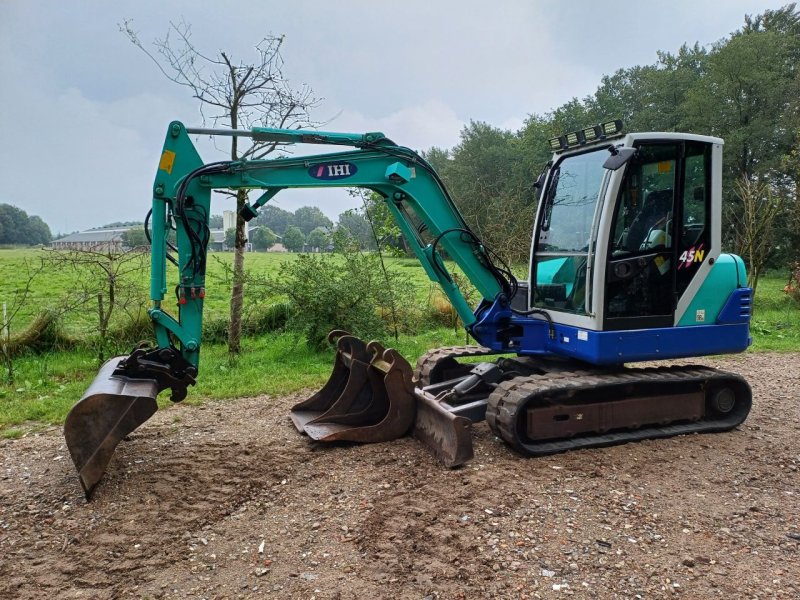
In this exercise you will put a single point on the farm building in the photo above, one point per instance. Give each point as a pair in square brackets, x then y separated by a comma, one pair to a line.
[111, 238]
[92, 239]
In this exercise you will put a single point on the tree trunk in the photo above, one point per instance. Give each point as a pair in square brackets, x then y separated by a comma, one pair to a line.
[237, 290]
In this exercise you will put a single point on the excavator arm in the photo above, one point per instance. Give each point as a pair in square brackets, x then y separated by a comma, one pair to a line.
[371, 386]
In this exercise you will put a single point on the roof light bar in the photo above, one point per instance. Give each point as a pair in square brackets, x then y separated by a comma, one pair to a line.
[557, 143]
[585, 136]
[573, 139]
[590, 134]
[612, 127]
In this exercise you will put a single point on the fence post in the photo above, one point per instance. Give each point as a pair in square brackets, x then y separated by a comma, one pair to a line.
[6, 334]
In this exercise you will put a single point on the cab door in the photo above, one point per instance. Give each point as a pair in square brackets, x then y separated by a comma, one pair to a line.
[660, 223]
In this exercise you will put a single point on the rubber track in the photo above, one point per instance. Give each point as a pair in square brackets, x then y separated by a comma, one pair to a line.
[428, 361]
[507, 404]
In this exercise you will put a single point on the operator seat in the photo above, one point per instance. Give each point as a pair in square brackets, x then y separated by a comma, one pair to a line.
[650, 227]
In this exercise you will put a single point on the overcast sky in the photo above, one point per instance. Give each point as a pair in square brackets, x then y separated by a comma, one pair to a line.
[85, 112]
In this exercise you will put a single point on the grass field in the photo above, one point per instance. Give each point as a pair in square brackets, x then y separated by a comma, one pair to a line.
[55, 285]
[46, 385]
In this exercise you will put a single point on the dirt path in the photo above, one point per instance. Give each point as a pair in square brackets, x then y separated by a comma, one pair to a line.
[227, 500]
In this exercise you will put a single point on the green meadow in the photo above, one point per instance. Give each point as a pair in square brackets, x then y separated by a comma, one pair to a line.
[46, 384]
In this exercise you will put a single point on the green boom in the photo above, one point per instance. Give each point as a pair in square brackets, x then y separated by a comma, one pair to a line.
[412, 191]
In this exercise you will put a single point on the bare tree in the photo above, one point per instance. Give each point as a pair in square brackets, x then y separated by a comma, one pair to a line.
[235, 94]
[754, 223]
[110, 278]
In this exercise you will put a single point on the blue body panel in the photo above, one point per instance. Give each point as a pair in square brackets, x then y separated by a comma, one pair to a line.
[500, 329]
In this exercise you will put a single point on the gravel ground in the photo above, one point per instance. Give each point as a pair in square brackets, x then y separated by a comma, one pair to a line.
[226, 500]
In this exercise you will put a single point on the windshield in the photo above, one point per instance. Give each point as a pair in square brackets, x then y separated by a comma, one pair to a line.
[565, 232]
[571, 199]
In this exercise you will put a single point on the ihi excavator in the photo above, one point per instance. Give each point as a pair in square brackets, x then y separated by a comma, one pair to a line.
[625, 266]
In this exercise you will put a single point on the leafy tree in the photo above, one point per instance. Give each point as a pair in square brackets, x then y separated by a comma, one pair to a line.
[354, 227]
[16, 227]
[650, 97]
[38, 231]
[570, 116]
[277, 219]
[308, 218]
[744, 98]
[263, 238]
[230, 237]
[294, 239]
[318, 238]
[486, 182]
[135, 238]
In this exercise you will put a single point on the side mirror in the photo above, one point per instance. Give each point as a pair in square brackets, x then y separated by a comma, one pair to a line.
[619, 157]
[538, 185]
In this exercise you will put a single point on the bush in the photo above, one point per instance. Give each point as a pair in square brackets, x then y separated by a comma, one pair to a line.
[42, 335]
[349, 291]
[440, 312]
[266, 319]
[135, 329]
[258, 320]
[215, 329]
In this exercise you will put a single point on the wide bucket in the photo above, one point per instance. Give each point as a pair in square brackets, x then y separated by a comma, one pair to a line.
[112, 407]
[447, 435]
[369, 396]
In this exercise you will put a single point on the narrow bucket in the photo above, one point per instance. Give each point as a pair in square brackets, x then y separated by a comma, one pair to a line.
[368, 398]
[350, 351]
[112, 407]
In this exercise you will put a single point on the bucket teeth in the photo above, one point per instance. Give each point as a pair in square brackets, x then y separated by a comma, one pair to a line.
[369, 396]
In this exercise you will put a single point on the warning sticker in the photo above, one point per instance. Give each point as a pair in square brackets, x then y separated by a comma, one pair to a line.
[166, 162]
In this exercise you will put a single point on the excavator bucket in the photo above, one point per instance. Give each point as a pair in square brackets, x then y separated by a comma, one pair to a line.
[112, 407]
[369, 396]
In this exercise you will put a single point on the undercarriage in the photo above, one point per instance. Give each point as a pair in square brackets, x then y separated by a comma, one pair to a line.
[541, 406]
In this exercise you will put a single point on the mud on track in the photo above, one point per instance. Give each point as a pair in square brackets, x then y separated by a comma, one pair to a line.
[227, 500]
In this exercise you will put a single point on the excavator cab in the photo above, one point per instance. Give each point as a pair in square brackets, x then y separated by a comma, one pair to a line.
[631, 248]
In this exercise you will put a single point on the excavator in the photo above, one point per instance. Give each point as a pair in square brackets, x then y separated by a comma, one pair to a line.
[625, 266]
